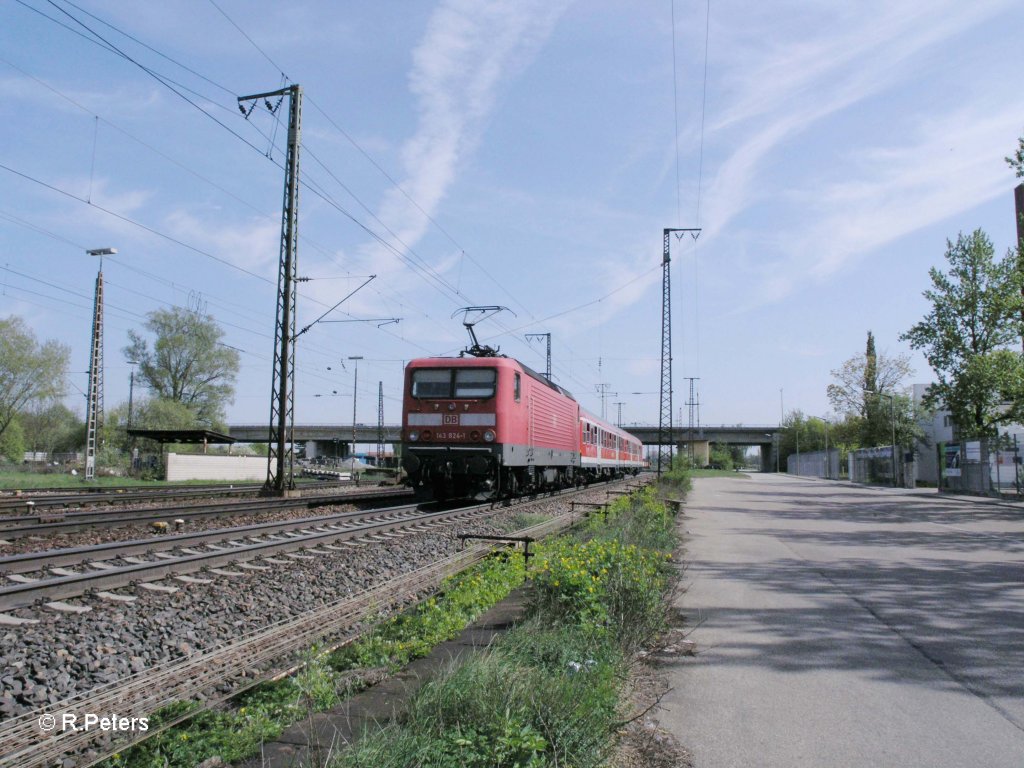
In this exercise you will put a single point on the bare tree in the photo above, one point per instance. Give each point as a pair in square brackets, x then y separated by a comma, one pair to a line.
[850, 395]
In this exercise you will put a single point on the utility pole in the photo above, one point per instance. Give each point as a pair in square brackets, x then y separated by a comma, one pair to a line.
[94, 397]
[281, 454]
[380, 424]
[618, 421]
[355, 400]
[665, 413]
[131, 390]
[1018, 197]
[530, 337]
[602, 390]
[782, 419]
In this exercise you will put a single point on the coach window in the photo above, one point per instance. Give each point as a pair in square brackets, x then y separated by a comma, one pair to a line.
[515, 387]
[475, 382]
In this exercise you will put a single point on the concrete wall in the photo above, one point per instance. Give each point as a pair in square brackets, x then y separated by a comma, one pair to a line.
[194, 466]
[814, 464]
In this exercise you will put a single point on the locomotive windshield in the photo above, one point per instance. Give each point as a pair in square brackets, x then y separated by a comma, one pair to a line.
[453, 383]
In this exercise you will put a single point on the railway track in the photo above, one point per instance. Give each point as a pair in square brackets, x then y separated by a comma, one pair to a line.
[217, 674]
[67, 573]
[53, 522]
[46, 498]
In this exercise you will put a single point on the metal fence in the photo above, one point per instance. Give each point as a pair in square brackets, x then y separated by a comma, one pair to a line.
[873, 466]
[987, 467]
[814, 464]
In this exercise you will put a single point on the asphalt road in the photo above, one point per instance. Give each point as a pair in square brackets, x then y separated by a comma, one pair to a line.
[846, 626]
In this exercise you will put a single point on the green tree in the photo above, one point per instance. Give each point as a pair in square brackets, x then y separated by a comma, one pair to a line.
[803, 433]
[870, 365]
[1016, 160]
[855, 390]
[870, 372]
[29, 372]
[162, 413]
[12, 442]
[720, 457]
[52, 428]
[975, 316]
[187, 363]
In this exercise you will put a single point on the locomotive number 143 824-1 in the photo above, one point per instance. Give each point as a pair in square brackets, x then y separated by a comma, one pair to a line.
[449, 436]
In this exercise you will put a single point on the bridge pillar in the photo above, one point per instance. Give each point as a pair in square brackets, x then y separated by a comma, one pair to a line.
[327, 449]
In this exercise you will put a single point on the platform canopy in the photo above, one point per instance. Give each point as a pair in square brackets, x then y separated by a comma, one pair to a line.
[204, 436]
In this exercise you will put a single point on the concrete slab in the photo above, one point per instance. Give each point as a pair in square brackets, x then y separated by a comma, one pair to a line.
[114, 597]
[62, 607]
[6, 620]
[252, 567]
[843, 627]
[63, 572]
[158, 588]
[225, 572]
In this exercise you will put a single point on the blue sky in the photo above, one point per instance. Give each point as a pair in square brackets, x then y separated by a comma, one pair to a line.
[519, 153]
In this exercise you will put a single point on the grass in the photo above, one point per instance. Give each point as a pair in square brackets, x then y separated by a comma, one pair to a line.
[547, 694]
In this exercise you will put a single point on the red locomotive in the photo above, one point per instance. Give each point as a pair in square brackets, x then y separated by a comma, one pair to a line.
[489, 427]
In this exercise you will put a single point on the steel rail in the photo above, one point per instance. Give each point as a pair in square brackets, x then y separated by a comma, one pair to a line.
[28, 562]
[69, 522]
[248, 659]
[61, 587]
[56, 497]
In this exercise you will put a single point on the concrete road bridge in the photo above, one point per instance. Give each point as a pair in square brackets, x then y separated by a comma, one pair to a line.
[336, 440]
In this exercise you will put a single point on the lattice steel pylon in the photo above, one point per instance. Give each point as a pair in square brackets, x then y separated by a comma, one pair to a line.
[281, 455]
[380, 423]
[691, 404]
[665, 413]
[545, 335]
[94, 397]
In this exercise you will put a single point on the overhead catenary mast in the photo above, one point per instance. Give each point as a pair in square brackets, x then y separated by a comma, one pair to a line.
[280, 456]
[665, 411]
[94, 397]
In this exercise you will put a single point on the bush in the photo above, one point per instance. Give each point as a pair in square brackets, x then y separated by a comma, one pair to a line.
[602, 584]
[504, 710]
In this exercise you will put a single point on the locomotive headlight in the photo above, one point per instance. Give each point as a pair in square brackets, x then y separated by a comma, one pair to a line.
[489, 436]
[413, 437]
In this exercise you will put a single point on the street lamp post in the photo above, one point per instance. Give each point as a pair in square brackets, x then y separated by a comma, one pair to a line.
[131, 397]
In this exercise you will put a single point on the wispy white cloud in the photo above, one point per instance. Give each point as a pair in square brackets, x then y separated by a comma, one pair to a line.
[853, 198]
[776, 92]
[470, 49]
[251, 245]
